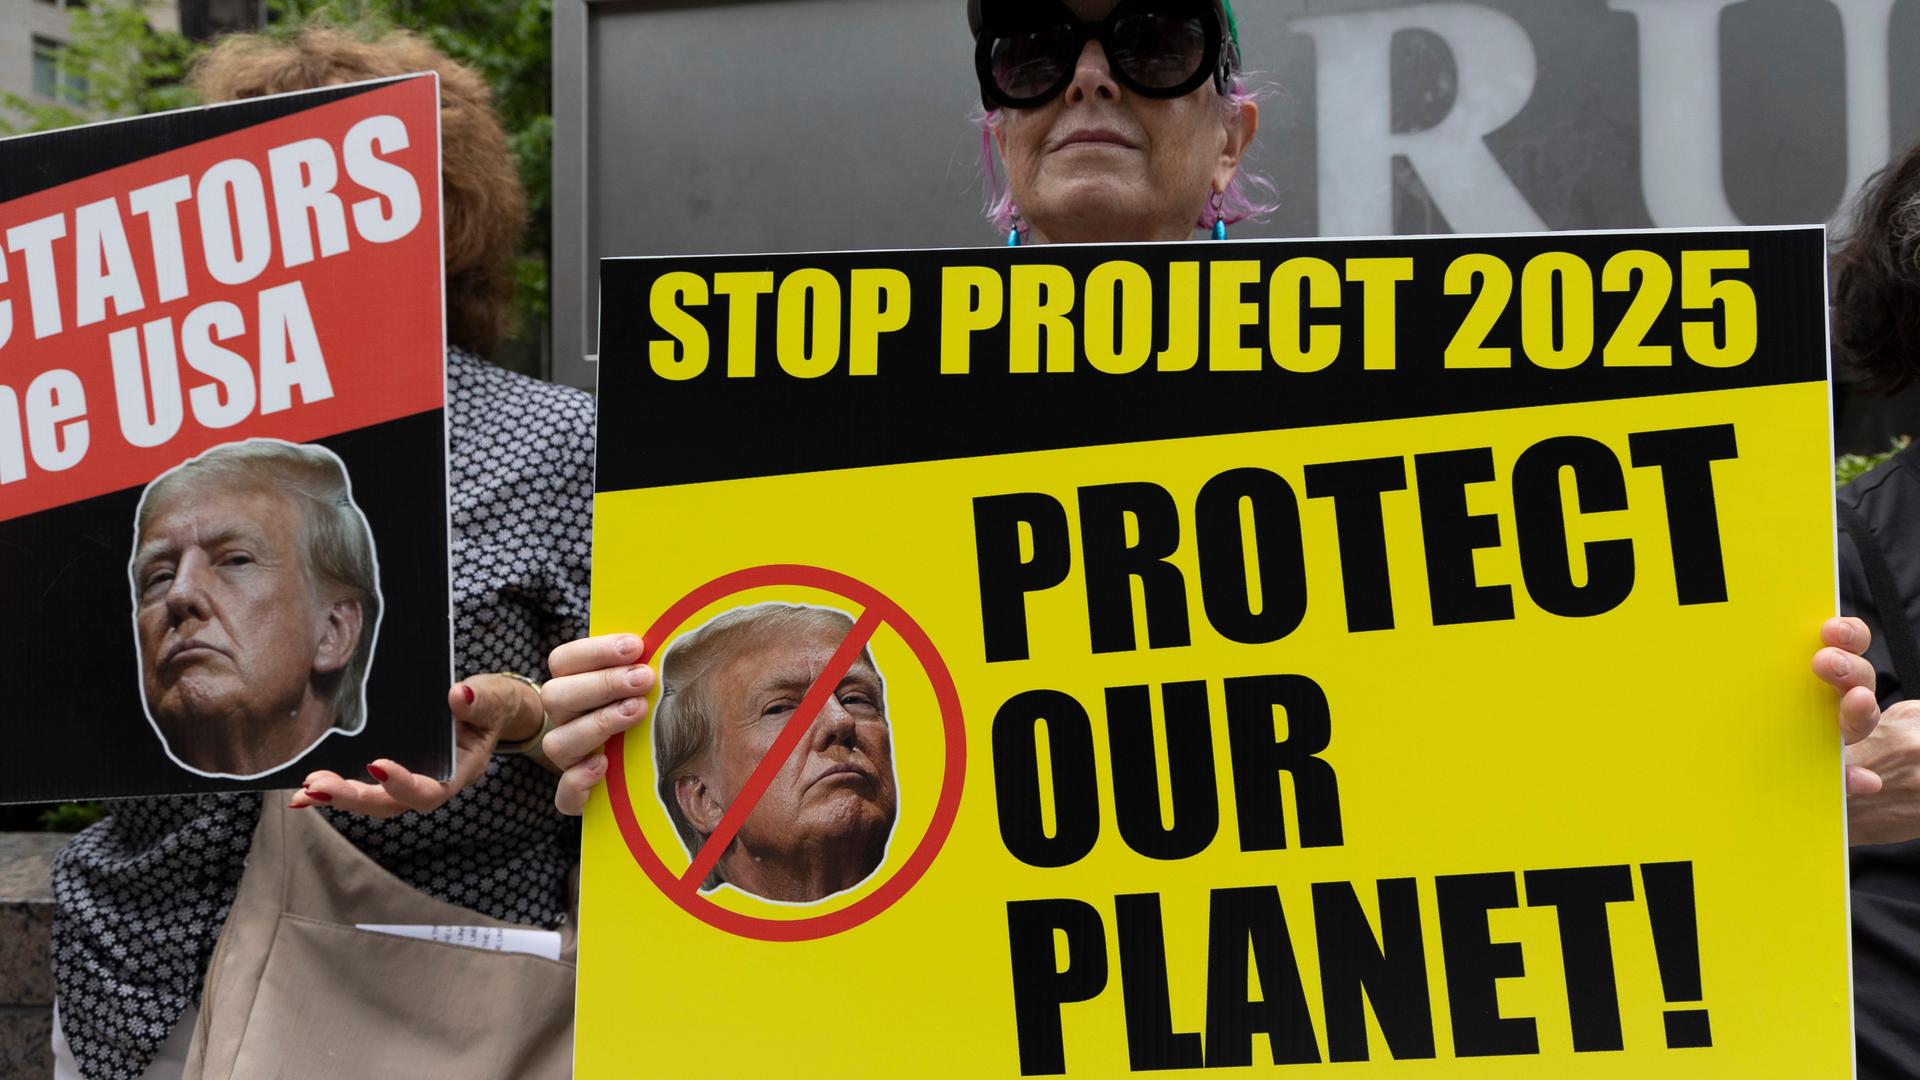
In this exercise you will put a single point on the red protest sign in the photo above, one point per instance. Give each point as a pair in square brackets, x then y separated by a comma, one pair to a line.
[239, 286]
[221, 338]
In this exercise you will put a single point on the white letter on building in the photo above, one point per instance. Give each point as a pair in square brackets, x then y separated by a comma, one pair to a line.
[1496, 69]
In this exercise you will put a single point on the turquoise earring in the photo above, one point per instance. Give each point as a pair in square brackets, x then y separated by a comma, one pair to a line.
[1219, 215]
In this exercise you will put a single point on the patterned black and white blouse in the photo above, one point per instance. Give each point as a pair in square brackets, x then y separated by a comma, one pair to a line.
[142, 895]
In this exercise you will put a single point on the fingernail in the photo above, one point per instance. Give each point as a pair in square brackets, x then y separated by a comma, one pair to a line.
[296, 806]
[1846, 633]
[1840, 666]
[625, 644]
[630, 707]
[318, 796]
[467, 690]
[638, 675]
[599, 763]
[377, 773]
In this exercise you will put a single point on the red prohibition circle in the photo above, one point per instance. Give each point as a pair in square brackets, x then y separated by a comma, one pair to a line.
[687, 895]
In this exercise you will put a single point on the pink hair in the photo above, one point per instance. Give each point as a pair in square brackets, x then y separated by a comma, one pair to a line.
[1249, 196]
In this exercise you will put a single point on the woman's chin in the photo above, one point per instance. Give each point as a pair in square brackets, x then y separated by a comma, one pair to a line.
[1091, 212]
[1071, 187]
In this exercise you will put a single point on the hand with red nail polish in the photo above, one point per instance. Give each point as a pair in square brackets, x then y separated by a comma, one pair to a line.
[599, 689]
[486, 709]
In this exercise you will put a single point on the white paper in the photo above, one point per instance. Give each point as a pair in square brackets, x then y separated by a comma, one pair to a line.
[492, 938]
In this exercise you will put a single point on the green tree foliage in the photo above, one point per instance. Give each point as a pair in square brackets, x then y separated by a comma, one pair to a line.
[71, 817]
[510, 43]
[1849, 466]
[118, 64]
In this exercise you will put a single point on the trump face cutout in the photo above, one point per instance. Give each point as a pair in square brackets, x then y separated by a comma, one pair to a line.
[253, 641]
[825, 820]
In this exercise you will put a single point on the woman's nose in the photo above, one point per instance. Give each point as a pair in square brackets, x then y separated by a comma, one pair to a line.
[1091, 76]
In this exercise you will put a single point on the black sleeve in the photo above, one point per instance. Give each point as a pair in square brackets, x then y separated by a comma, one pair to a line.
[1856, 599]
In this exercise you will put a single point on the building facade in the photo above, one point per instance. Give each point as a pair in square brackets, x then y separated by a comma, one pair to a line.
[32, 33]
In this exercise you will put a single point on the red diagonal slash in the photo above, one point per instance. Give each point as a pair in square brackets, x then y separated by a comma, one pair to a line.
[790, 736]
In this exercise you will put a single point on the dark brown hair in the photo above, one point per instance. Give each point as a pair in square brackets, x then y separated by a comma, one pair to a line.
[1876, 294]
[485, 210]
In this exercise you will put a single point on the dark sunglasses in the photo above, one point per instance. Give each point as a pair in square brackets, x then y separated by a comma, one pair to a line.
[1155, 48]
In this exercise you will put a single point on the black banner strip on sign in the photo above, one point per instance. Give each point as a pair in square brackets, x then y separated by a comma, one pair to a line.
[1118, 342]
[35, 163]
[70, 608]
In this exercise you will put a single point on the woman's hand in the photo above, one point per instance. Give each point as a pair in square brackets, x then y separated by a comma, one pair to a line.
[486, 709]
[1840, 665]
[1883, 750]
[1891, 812]
[598, 690]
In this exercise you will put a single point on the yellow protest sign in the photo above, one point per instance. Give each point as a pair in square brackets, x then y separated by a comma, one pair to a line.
[1389, 655]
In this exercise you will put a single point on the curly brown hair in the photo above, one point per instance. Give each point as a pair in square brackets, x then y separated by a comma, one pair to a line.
[484, 208]
[1876, 295]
